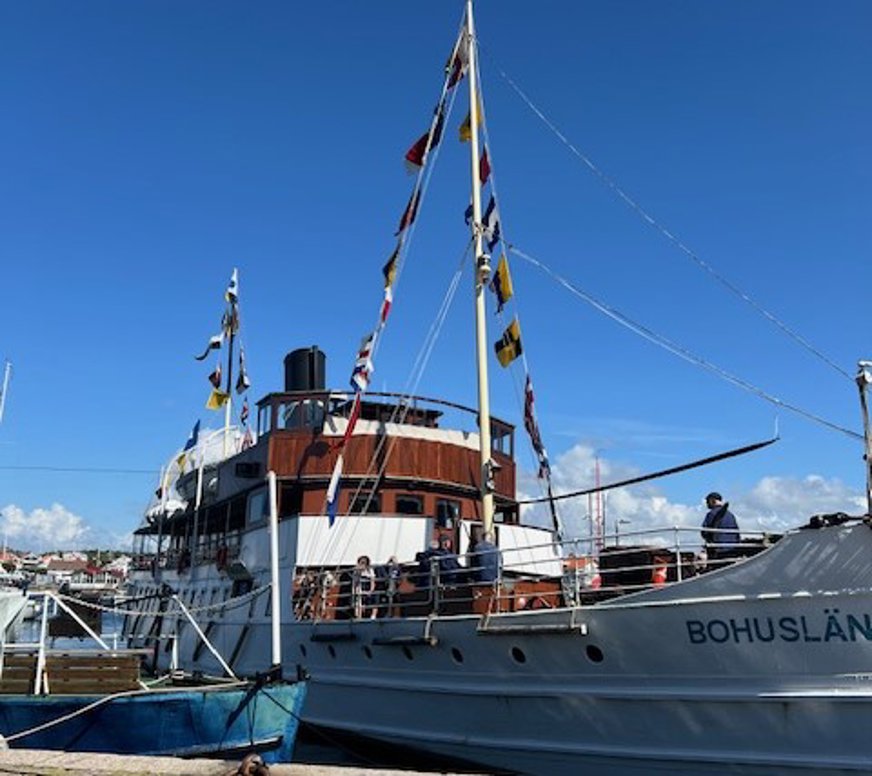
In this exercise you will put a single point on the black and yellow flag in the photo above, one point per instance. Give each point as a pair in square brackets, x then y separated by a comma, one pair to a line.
[217, 399]
[501, 283]
[389, 270]
[508, 348]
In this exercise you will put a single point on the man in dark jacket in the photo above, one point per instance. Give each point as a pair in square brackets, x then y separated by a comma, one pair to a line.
[720, 531]
[487, 560]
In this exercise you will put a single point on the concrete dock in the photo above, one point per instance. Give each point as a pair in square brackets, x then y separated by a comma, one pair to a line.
[32, 762]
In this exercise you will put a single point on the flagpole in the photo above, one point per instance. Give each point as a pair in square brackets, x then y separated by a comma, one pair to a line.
[229, 403]
[481, 276]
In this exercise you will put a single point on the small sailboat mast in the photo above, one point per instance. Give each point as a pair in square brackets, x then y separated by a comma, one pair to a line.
[864, 379]
[7, 371]
[481, 276]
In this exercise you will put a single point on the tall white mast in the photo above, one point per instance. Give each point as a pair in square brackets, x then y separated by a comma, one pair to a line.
[864, 379]
[481, 277]
[7, 371]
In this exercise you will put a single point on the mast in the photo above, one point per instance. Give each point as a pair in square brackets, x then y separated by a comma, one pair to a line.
[229, 390]
[7, 371]
[480, 279]
[864, 379]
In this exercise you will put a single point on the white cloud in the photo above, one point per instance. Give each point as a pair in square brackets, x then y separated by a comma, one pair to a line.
[52, 528]
[774, 504]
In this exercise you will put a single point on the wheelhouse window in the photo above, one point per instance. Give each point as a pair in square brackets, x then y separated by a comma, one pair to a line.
[502, 439]
[447, 512]
[291, 501]
[409, 504]
[264, 419]
[366, 503]
[303, 413]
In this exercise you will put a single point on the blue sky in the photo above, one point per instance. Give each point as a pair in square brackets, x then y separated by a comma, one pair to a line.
[147, 148]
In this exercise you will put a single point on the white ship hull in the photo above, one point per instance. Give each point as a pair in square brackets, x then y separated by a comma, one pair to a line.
[764, 667]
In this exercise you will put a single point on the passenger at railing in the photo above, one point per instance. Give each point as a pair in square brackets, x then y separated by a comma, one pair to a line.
[363, 594]
[720, 531]
[488, 559]
[388, 582]
[426, 561]
[303, 594]
[450, 570]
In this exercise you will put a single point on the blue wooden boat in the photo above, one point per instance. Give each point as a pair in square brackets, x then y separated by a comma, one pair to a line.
[217, 718]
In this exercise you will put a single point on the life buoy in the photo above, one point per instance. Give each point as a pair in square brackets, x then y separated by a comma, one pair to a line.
[658, 575]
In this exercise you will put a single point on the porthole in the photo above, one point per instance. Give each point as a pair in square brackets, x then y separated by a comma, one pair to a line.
[594, 653]
[368, 652]
[456, 655]
[518, 655]
[331, 650]
[303, 650]
[408, 653]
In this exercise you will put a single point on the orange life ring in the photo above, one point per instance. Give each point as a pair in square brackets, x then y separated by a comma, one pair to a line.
[658, 575]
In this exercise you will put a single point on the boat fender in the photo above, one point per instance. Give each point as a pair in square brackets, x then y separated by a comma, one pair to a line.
[252, 765]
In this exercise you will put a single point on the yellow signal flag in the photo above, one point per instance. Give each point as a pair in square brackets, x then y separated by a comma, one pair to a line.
[217, 399]
[465, 131]
[389, 270]
[508, 347]
[501, 283]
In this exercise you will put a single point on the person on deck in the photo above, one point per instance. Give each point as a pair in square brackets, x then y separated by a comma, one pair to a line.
[363, 593]
[720, 531]
[487, 560]
[449, 565]
[388, 578]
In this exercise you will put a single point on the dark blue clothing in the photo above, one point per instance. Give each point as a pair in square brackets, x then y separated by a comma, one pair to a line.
[724, 540]
[487, 561]
[449, 567]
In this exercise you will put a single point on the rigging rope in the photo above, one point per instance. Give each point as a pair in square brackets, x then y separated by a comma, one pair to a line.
[401, 410]
[645, 216]
[655, 475]
[679, 350]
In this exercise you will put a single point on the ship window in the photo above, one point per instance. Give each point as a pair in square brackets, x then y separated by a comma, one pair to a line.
[447, 512]
[365, 503]
[518, 655]
[258, 507]
[308, 413]
[237, 514]
[408, 504]
[264, 416]
[594, 653]
[368, 652]
[291, 502]
[456, 655]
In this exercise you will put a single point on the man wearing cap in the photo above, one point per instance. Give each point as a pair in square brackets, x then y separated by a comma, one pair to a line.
[719, 529]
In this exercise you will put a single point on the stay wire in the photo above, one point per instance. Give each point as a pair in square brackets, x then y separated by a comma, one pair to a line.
[676, 241]
[679, 350]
